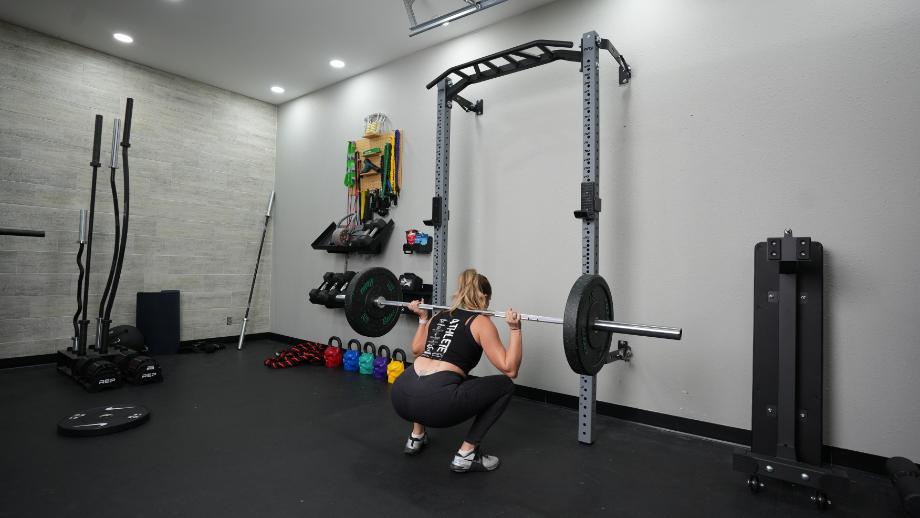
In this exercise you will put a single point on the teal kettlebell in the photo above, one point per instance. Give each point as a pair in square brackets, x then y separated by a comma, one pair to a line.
[366, 360]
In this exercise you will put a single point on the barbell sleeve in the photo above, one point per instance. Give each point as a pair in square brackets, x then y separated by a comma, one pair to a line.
[116, 133]
[268, 211]
[84, 217]
[669, 333]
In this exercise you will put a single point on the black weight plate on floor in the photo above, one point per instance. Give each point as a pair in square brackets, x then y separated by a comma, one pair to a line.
[589, 300]
[103, 420]
[362, 313]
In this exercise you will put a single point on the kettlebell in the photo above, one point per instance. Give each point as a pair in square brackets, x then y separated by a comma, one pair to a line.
[332, 356]
[366, 360]
[350, 358]
[381, 362]
[396, 366]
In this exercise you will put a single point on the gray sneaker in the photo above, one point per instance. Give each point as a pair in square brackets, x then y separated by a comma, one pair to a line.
[474, 461]
[414, 445]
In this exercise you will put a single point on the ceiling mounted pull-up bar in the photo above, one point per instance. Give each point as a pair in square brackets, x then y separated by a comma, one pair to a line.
[472, 6]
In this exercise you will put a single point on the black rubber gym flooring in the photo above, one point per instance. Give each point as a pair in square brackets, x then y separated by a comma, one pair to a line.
[228, 437]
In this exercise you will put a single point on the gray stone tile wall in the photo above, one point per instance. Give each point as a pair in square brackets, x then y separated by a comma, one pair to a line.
[202, 164]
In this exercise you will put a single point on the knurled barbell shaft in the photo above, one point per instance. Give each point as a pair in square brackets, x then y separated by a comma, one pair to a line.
[670, 333]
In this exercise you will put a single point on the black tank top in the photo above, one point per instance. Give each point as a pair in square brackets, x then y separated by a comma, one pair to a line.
[451, 340]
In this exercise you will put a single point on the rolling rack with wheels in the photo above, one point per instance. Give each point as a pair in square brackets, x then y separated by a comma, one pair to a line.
[787, 396]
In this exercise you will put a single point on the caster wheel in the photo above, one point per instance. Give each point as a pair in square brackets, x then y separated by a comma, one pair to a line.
[821, 501]
[754, 484]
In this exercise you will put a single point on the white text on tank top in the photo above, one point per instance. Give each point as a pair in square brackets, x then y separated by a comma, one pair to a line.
[441, 338]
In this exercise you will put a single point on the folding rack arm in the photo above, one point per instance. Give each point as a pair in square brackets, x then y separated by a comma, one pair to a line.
[469, 106]
[625, 71]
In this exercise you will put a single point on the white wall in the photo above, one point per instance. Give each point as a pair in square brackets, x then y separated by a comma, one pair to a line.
[743, 119]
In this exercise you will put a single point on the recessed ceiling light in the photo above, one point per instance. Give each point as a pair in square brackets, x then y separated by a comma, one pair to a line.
[277, 89]
[337, 63]
[124, 38]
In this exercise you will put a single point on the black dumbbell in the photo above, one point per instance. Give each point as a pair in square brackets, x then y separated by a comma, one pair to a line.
[98, 373]
[317, 294]
[331, 290]
[906, 478]
[410, 282]
[340, 288]
[368, 231]
[139, 369]
[341, 281]
[375, 226]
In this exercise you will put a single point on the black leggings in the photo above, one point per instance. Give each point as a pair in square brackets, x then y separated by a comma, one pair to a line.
[446, 399]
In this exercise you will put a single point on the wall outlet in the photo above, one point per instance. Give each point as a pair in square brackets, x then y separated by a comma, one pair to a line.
[229, 321]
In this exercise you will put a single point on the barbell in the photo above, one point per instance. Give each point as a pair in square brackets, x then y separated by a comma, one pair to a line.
[373, 303]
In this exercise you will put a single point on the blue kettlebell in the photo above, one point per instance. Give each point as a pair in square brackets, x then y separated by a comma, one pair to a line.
[350, 358]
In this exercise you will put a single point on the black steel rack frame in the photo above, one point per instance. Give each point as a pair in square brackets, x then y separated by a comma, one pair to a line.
[529, 55]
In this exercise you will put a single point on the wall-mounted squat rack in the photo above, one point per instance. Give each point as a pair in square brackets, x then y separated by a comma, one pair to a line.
[516, 59]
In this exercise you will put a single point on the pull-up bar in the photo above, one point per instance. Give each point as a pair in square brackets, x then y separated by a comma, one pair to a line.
[516, 59]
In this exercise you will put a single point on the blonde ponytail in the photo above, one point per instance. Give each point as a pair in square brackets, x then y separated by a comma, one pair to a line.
[473, 291]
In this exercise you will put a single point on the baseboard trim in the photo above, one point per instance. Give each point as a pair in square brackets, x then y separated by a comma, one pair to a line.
[678, 424]
[225, 339]
[285, 338]
[832, 454]
[27, 361]
[855, 459]
[44, 359]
